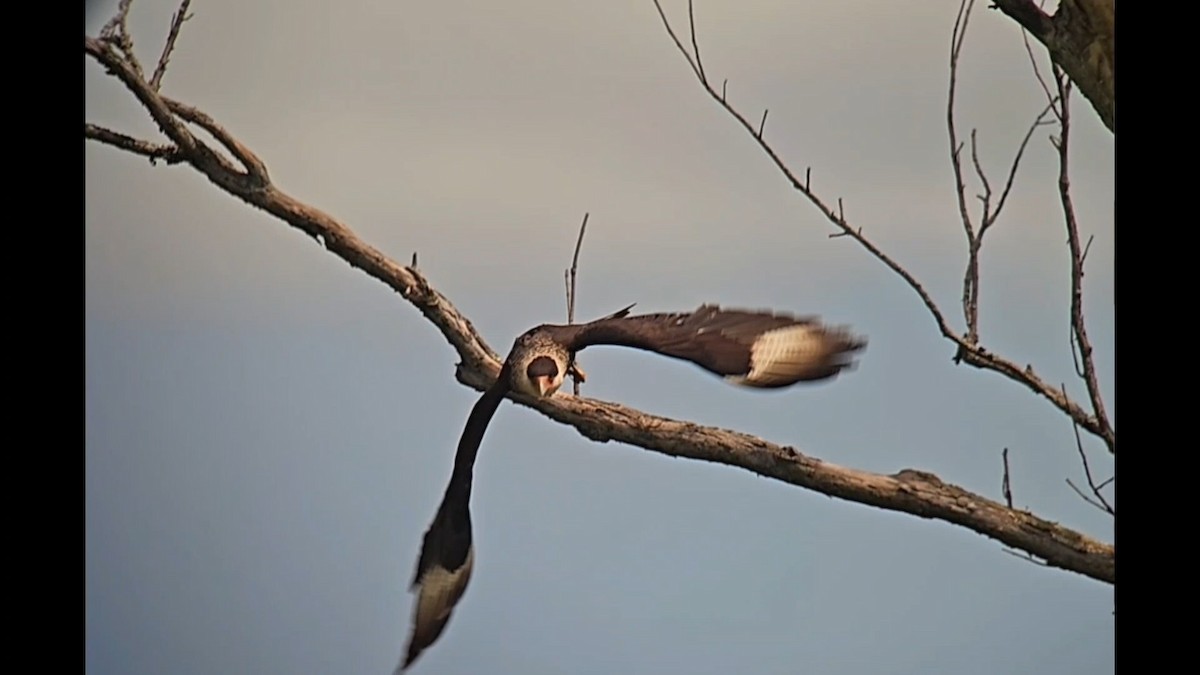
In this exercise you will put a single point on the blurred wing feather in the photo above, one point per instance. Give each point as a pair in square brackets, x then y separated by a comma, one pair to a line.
[751, 348]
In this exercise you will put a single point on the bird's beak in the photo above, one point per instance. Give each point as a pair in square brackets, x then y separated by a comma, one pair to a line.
[545, 385]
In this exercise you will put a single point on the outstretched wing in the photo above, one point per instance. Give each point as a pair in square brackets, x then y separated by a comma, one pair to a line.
[750, 348]
[447, 553]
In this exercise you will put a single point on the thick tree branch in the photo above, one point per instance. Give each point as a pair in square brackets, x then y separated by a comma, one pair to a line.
[908, 491]
[1080, 39]
[972, 354]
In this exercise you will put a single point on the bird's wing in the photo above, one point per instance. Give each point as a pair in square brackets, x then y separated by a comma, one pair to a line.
[447, 553]
[751, 348]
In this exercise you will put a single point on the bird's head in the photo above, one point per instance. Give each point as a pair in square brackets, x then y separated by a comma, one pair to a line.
[538, 364]
[544, 375]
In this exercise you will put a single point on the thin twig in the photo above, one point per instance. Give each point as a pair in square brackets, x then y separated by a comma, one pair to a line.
[763, 122]
[1025, 556]
[986, 197]
[116, 33]
[1038, 121]
[970, 286]
[1006, 484]
[181, 15]
[957, 36]
[575, 268]
[1089, 500]
[117, 25]
[1051, 98]
[1086, 247]
[1078, 320]
[577, 375]
[1087, 473]
[695, 45]
[155, 151]
[687, 55]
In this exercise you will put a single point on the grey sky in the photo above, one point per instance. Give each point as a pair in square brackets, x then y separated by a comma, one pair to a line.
[269, 430]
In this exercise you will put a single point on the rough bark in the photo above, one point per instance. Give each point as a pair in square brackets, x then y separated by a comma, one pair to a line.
[1079, 37]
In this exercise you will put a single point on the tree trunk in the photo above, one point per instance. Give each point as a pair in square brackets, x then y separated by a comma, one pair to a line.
[1079, 37]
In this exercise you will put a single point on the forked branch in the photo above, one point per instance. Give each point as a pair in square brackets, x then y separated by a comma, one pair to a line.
[968, 352]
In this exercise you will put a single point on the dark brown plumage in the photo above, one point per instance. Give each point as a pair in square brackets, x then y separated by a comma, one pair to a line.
[750, 348]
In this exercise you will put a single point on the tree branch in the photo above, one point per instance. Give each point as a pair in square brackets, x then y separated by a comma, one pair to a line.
[972, 354]
[1078, 253]
[970, 285]
[915, 492]
[176, 22]
[1100, 502]
[908, 491]
[573, 369]
[155, 151]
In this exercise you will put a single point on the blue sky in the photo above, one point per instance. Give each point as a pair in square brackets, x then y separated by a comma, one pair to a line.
[269, 431]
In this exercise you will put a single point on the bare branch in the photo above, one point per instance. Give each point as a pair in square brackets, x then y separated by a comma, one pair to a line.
[118, 24]
[956, 41]
[181, 15]
[576, 373]
[970, 285]
[575, 269]
[1025, 556]
[1051, 98]
[1006, 484]
[254, 166]
[969, 353]
[1078, 322]
[695, 45]
[1089, 500]
[1038, 121]
[1100, 502]
[155, 151]
[1087, 247]
[847, 230]
[762, 123]
[915, 492]
[116, 33]
[691, 62]
[986, 197]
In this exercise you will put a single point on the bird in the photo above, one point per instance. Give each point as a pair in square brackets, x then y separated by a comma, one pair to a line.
[750, 348]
